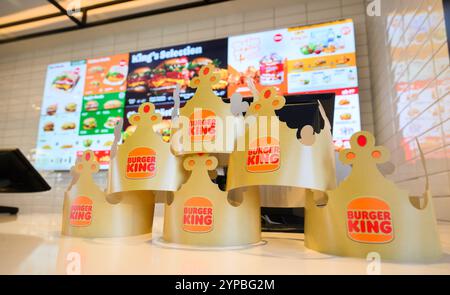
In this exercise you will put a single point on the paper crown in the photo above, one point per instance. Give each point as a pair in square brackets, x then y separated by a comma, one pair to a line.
[200, 123]
[144, 161]
[87, 213]
[200, 214]
[281, 159]
[368, 213]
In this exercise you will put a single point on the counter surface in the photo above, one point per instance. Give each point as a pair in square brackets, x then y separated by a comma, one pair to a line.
[32, 244]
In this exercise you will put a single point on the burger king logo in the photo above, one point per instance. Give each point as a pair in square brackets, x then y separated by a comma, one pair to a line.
[369, 220]
[202, 125]
[263, 155]
[141, 163]
[198, 215]
[277, 37]
[81, 211]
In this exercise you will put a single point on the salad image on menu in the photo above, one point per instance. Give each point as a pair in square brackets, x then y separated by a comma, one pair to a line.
[154, 74]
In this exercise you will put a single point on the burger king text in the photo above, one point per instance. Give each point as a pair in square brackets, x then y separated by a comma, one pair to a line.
[141, 163]
[263, 158]
[198, 215]
[81, 212]
[372, 224]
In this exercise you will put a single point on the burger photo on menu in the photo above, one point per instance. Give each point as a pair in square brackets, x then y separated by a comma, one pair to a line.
[116, 74]
[154, 74]
[137, 80]
[66, 81]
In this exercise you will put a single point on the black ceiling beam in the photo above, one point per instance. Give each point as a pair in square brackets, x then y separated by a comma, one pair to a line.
[64, 12]
[30, 20]
[115, 19]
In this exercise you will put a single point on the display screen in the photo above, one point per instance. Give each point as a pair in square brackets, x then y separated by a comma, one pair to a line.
[154, 74]
[302, 60]
[84, 99]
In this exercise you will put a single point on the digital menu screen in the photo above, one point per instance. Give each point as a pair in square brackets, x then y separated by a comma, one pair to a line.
[302, 60]
[154, 74]
[58, 139]
[83, 100]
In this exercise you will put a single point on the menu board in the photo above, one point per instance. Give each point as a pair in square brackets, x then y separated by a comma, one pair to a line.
[83, 100]
[103, 103]
[59, 125]
[154, 74]
[302, 60]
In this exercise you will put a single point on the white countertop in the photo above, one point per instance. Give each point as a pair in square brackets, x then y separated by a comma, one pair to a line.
[32, 244]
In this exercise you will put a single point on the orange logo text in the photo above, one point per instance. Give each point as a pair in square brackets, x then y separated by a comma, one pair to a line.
[198, 215]
[263, 155]
[369, 220]
[81, 211]
[141, 163]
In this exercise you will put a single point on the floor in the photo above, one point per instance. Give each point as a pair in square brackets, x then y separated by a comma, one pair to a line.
[31, 244]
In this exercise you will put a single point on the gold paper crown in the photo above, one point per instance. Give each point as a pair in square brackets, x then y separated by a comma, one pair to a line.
[200, 214]
[205, 112]
[144, 161]
[368, 213]
[87, 213]
[282, 159]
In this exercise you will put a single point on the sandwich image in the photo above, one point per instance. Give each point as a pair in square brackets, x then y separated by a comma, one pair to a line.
[51, 109]
[111, 122]
[49, 126]
[112, 104]
[137, 80]
[66, 81]
[116, 75]
[71, 107]
[46, 147]
[68, 126]
[108, 143]
[91, 106]
[89, 124]
[168, 74]
[345, 116]
[343, 102]
[67, 146]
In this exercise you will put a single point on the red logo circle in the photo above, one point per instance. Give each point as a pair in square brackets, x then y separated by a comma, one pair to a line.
[277, 37]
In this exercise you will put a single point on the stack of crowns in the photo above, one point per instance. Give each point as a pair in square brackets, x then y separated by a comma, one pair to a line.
[199, 213]
[368, 213]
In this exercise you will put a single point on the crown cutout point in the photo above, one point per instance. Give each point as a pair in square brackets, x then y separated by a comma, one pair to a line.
[200, 162]
[146, 115]
[87, 164]
[206, 78]
[363, 150]
[268, 100]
